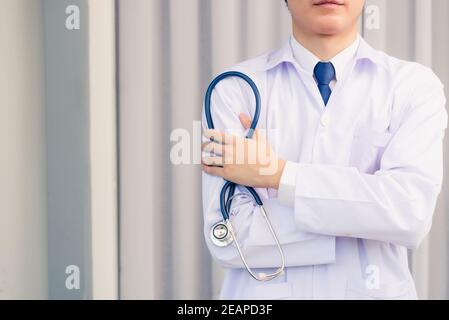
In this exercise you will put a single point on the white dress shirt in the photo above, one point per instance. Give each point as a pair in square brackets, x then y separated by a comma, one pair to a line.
[361, 181]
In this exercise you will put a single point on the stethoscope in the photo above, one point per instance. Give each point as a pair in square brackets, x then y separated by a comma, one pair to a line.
[222, 233]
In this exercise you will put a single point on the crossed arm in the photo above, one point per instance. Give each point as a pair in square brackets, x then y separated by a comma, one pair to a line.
[393, 205]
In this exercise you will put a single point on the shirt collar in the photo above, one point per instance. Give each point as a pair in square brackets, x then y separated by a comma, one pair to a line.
[307, 60]
[363, 51]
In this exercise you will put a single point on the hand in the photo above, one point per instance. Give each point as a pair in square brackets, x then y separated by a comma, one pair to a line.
[248, 162]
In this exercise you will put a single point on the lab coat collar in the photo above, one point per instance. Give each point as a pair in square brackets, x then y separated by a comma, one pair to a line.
[285, 54]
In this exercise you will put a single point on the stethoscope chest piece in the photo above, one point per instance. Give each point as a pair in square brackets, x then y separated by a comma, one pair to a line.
[220, 235]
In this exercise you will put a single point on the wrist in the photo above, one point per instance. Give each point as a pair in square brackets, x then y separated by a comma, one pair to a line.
[276, 177]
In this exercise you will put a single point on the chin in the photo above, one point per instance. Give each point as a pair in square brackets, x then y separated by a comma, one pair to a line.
[329, 26]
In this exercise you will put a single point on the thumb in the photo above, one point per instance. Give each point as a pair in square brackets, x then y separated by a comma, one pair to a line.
[245, 120]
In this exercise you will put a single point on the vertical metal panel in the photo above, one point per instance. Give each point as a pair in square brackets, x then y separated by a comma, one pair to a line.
[227, 30]
[423, 54]
[377, 37]
[262, 25]
[141, 184]
[67, 142]
[439, 237]
[103, 167]
[23, 241]
[423, 22]
[185, 191]
[400, 28]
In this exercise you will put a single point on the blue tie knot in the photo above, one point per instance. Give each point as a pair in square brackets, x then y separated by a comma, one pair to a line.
[324, 73]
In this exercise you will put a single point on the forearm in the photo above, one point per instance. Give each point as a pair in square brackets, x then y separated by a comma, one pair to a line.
[389, 206]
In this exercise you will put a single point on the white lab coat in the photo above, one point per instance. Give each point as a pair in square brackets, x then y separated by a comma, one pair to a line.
[365, 172]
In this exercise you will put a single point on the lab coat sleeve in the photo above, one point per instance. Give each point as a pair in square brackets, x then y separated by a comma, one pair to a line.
[396, 203]
[229, 99]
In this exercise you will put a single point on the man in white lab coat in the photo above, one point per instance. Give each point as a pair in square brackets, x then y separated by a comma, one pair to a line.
[356, 143]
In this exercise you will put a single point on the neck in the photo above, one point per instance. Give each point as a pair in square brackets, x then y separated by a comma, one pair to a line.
[325, 47]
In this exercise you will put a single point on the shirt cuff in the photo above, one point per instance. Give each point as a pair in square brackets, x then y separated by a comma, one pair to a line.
[287, 186]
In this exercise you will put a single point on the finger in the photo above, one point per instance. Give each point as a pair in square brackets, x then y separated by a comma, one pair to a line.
[213, 161]
[213, 171]
[245, 120]
[213, 147]
[219, 137]
[213, 135]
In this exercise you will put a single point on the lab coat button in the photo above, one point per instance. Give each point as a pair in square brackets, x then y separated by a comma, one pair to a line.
[325, 119]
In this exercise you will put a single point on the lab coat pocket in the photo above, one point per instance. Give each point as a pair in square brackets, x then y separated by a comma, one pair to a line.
[368, 147]
[358, 290]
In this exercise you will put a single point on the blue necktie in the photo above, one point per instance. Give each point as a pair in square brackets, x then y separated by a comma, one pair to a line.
[324, 73]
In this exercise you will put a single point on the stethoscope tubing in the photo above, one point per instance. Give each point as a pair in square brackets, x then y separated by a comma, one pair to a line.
[229, 187]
